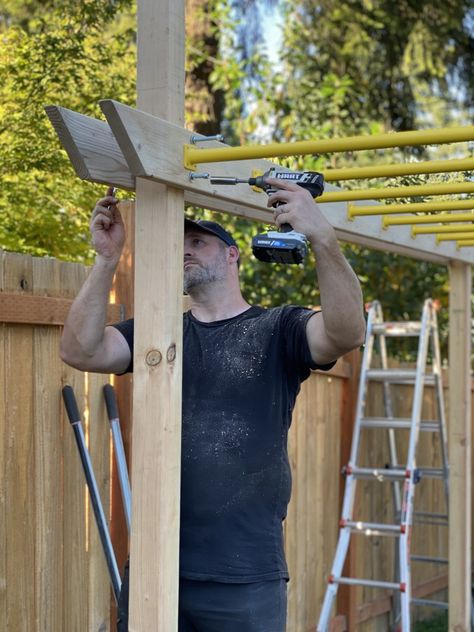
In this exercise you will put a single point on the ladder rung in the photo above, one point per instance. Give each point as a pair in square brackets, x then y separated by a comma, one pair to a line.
[405, 328]
[436, 520]
[431, 560]
[396, 423]
[380, 474]
[367, 582]
[431, 472]
[372, 528]
[429, 602]
[398, 375]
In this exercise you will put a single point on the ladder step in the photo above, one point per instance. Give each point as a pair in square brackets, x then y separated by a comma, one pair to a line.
[380, 474]
[350, 581]
[430, 560]
[396, 423]
[372, 528]
[402, 329]
[431, 472]
[437, 520]
[407, 376]
[428, 602]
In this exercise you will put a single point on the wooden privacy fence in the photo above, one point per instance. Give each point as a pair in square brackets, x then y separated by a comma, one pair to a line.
[53, 576]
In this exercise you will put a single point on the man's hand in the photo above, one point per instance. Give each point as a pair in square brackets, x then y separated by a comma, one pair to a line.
[107, 229]
[298, 209]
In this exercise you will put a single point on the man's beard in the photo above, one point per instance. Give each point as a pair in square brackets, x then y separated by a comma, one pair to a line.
[200, 274]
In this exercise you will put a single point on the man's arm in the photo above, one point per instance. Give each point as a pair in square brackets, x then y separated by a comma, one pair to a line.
[341, 326]
[87, 344]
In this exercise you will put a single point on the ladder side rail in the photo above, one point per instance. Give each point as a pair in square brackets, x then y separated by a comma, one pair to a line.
[406, 517]
[419, 385]
[437, 370]
[392, 446]
[374, 316]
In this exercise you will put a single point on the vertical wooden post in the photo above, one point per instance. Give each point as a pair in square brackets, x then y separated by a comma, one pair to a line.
[156, 445]
[460, 447]
[347, 595]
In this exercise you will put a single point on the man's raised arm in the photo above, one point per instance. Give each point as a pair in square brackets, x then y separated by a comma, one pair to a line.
[87, 344]
[341, 326]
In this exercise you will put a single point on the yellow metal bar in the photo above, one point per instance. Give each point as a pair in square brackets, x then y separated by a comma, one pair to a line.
[397, 192]
[428, 219]
[403, 169]
[195, 155]
[355, 210]
[465, 242]
[427, 230]
[452, 236]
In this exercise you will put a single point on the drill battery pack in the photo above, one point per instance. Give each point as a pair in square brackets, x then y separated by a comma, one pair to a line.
[277, 247]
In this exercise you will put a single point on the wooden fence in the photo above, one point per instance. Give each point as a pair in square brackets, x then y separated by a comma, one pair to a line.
[52, 571]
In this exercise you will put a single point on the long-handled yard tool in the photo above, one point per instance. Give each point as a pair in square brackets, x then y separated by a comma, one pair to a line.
[75, 419]
[112, 412]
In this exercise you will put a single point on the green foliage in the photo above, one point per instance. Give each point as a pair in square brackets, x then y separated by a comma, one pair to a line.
[66, 53]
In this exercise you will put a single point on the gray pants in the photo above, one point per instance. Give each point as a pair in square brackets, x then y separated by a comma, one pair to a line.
[219, 607]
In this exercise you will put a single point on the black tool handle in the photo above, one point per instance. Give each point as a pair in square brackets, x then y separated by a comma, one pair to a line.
[71, 404]
[111, 402]
[101, 521]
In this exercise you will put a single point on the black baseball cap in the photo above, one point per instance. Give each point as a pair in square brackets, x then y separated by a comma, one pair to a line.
[210, 227]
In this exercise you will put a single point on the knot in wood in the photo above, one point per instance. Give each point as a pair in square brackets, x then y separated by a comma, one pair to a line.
[171, 353]
[153, 357]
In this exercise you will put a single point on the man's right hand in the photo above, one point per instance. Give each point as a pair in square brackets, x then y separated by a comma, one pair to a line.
[107, 229]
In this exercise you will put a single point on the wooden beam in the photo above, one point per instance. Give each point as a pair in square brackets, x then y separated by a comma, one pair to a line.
[459, 442]
[159, 236]
[156, 155]
[91, 147]
[26, 309]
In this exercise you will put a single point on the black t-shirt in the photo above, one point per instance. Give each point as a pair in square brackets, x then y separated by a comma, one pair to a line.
[241, 377]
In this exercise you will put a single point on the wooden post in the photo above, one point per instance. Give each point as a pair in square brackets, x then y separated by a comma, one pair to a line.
[460, 447]
[156, 445]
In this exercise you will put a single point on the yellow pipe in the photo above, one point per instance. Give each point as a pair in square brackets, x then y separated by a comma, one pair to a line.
[395, 209]
[428, 230]
[427, 219]
[404, 169]
[195, 155]
[452, 237]
[397, 192]
[465, 242]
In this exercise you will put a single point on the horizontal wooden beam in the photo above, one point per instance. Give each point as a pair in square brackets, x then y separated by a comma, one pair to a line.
[92, 149]
[27, 309]
[149, 147]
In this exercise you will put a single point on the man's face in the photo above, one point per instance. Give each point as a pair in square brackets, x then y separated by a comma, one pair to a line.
[205, 259]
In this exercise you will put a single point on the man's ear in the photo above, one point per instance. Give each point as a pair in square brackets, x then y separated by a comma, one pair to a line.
[233, 254]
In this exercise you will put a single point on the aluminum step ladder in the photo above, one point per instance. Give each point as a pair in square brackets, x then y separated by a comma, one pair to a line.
[403, 477]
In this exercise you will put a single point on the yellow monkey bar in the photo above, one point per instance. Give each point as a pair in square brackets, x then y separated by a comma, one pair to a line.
[428, 230]
[195, 155]
[396, 209]
[397, 192]
[428, 219]
[403, 169]
[463, 243]
[453, 236]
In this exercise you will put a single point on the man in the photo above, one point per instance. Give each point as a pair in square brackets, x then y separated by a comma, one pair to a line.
[242, 370]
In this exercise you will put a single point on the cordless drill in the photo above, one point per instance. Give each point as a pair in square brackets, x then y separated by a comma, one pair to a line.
[286, 245]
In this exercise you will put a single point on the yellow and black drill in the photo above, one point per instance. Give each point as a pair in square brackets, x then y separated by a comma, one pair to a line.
[286, 245]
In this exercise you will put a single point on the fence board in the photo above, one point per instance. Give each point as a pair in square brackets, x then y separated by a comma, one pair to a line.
[47, 370]
[19, 458]
[3, 448]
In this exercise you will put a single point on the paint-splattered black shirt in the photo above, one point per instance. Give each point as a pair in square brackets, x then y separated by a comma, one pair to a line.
[241, 377]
